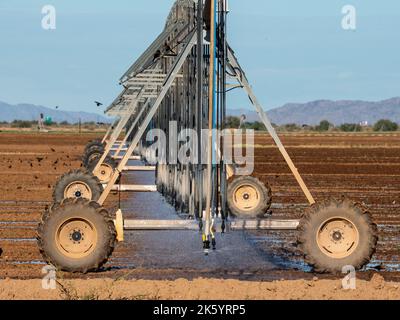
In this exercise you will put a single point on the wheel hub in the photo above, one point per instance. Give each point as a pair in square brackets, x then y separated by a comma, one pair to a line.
[337, 238]
[104, 173]
[78, 189]
[246, 197]
[337, 235]
[76, 238]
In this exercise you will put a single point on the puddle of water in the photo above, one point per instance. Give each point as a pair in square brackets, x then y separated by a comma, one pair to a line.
[384, 265]
[287, 257]
[292, 264]
[32, 262]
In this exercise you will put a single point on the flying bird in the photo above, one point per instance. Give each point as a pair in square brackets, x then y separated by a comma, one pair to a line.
[99, 104]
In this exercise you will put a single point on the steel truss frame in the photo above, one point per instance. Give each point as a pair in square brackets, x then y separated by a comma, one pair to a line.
[157, 89]
[180, 82]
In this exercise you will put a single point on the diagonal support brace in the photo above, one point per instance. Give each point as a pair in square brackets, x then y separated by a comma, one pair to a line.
[241, 77]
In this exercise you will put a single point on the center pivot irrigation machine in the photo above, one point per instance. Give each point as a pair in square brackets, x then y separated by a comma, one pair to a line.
[183, 78]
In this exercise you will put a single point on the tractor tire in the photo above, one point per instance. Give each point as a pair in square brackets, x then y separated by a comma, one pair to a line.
[106, 170]
[76, 236]
[248, 197]
[96, 142]
[337, 234]
[90, 154]
[77, 184]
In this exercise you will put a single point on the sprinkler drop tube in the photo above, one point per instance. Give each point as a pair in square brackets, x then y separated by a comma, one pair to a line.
[211, 121]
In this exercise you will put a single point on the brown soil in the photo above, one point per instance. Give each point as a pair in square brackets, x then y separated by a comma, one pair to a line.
[200, 289]
[363, 168]
[30, 164]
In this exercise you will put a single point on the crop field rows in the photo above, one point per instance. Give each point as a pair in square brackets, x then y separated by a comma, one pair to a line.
[364, 168]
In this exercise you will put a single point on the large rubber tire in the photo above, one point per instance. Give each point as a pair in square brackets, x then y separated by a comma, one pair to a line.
[248, 197]
[106, 171]
[79, 184]
[76, 236]
[91, 154]
[96, 143]
[335, 234]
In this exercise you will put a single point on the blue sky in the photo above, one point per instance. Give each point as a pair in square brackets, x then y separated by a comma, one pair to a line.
[292, 51]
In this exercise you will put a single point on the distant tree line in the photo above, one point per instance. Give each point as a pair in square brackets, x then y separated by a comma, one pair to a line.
[24, 124]
[383, 125]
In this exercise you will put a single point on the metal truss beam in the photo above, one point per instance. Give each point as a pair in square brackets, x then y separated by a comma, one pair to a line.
[192, 225]
[144, 124]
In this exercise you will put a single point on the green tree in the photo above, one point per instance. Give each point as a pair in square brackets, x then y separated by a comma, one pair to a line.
[291, 127]
[21, 124]
[256, 126]
[324, 125]
[232, 122]
[385, 125]
[350, 127]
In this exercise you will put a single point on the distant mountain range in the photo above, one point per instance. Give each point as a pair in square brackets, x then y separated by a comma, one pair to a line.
[336, 112]
[32, 112]
[311, 113]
